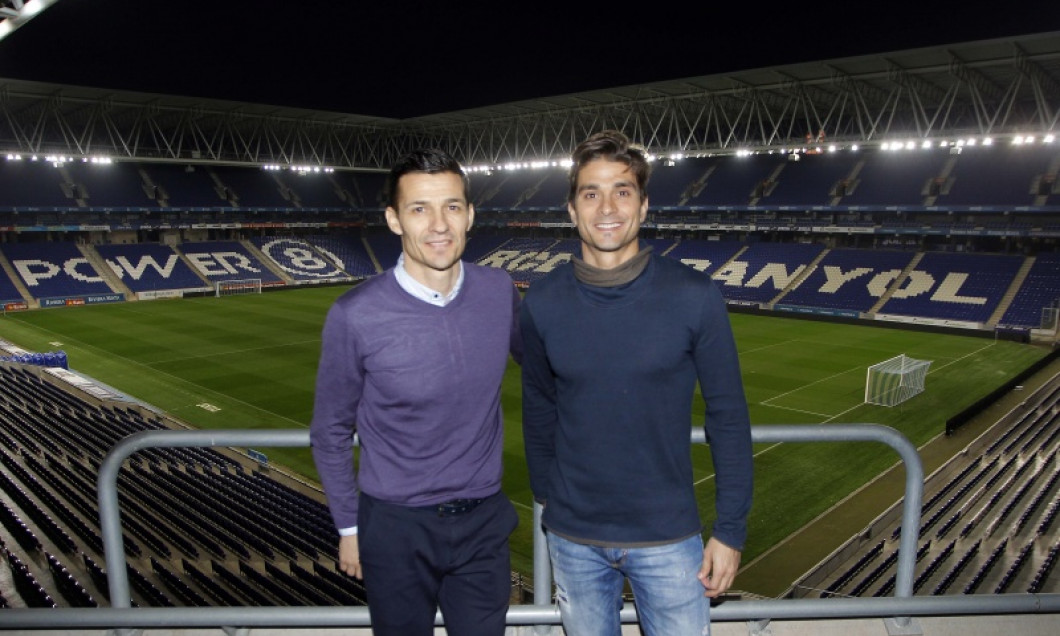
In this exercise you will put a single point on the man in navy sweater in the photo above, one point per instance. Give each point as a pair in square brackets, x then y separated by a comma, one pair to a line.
[614, 344]
[412, 361]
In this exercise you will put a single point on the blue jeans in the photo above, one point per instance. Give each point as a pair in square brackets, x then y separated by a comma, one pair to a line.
[668, 595]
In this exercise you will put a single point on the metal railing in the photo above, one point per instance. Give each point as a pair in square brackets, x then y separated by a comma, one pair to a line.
[899, 608]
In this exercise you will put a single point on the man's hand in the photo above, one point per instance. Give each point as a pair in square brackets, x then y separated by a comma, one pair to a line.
[350, 556]
[720, 564]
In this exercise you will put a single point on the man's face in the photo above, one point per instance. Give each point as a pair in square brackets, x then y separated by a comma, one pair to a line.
[607, 209]
[432, 218]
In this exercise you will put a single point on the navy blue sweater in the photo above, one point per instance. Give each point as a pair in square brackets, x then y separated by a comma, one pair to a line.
[608, 380]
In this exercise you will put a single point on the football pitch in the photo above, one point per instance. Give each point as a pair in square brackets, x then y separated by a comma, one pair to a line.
[250, 362]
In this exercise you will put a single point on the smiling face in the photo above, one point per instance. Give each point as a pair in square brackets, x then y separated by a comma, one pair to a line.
[607, 208]
[432, 217]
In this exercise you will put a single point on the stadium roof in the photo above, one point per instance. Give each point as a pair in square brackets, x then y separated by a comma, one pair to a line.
[1007, 85]
[997, 63]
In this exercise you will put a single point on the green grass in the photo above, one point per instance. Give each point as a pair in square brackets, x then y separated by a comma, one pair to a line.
[253, 359]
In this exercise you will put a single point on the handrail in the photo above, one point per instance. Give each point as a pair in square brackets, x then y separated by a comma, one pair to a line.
[543, 611]
[110, 521]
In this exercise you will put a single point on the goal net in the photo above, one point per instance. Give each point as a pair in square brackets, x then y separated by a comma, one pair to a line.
[896, 380]
[238, 286]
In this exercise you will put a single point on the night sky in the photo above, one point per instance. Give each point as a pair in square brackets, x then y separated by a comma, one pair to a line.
[406, 59]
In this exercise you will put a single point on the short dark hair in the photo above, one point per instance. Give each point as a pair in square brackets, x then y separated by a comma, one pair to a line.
[427, 160]
[610, 145]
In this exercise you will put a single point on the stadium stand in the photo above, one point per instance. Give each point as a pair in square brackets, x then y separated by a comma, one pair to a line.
[190, 505]
[1000, 176]
[674, 183]
[734, 181]
[386, 247]
[180, 187]
[893, 178]
[105, 185]
[519, 190]
[764, 270]
[347, 250]
[1040, 289]
[34, 185]
[149, 267]
[227, 260]
[8, 291]
[813, 180]
[848, 279]
[965, 287]
[300, 260]
[251, 188]
[54, 269]
[1001, 493]
[706, 256]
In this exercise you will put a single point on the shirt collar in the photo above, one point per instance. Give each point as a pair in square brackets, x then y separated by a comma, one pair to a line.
[423, 292]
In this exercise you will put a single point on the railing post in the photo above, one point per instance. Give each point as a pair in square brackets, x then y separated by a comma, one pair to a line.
[107, 483]
[914, 476]
[542, 569]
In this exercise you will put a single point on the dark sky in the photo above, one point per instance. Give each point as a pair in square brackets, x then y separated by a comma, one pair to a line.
[403, 59]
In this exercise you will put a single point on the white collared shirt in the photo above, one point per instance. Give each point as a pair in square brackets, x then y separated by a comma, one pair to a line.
[423, 292]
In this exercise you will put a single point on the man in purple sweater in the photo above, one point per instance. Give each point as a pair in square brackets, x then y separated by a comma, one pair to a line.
[412, 361]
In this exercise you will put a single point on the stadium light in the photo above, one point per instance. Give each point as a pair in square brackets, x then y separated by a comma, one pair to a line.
[23, 12]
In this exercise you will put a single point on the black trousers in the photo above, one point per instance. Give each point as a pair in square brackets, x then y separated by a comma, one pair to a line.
[416, 560]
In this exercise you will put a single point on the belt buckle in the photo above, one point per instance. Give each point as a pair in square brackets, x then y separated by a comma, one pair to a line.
[457, 507]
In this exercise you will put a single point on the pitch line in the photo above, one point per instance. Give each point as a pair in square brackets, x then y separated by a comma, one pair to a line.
[230, 352]
[766, 402]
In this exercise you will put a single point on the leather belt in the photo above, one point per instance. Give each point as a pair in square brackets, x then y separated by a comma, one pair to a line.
[454, 507]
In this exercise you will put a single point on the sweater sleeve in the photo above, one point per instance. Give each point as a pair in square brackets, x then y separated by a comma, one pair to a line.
[339, 383]
[540, 417]
[727, 423]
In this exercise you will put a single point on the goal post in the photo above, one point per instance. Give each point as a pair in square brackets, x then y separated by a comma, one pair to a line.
[238, 286]
[896, 380]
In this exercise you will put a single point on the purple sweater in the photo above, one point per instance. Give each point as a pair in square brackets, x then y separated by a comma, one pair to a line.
[420, 385]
